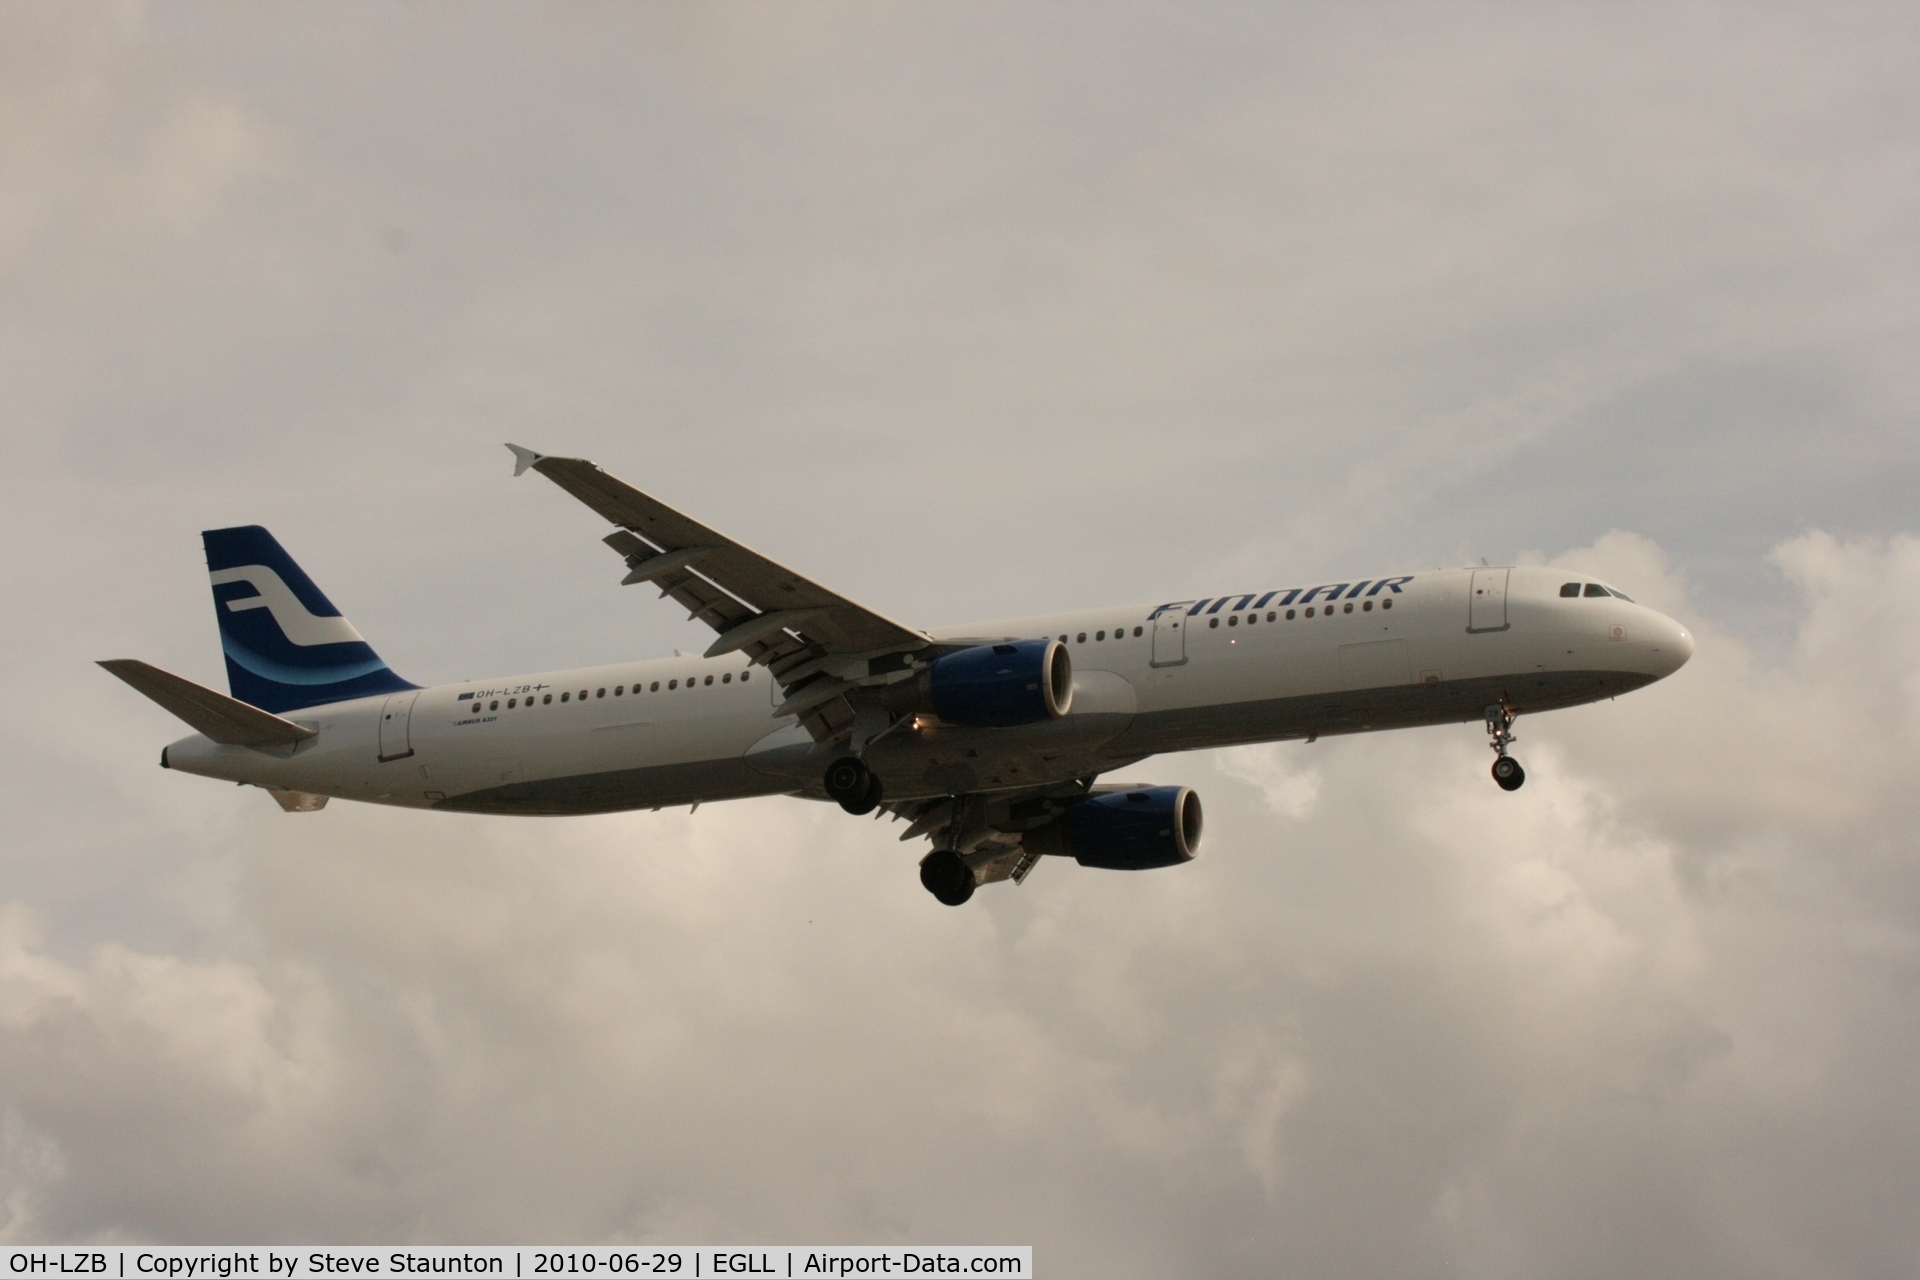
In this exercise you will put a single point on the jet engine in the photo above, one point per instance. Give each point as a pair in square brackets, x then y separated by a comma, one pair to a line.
[1125, 830]
[995, 686]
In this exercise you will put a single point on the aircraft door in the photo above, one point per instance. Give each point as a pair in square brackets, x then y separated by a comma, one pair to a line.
[396, 717]
[1487, 606]
[1170, 638]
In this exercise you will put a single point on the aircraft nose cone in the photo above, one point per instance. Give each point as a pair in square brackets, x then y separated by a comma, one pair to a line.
[1674, 647]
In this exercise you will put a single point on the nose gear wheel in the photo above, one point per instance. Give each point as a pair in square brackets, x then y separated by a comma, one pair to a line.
[1506, 770]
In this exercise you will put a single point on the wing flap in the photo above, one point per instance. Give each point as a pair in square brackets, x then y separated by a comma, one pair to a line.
[223, 719]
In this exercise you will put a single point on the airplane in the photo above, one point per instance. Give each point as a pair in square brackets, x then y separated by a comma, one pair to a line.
[987, 739]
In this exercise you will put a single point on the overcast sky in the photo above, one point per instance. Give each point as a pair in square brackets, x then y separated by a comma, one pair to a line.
[970, 310]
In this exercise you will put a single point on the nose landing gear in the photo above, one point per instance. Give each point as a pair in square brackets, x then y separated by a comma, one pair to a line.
[1506, 770]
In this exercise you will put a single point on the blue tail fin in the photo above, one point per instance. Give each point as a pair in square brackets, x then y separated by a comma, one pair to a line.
[287, 646]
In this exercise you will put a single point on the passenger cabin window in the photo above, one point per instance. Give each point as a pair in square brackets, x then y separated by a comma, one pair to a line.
[727, 678]
[673, 684]
[709, 680]
[494, 705]
[654, 688]
[1081, 638]
[1367, 607]
[547, 699]
[599, 693]
[583, 695]
[1568, 590]
[1595, 589]
[744, 675]
[1289, 615]
[619, 689]
[1213, 622]
[1136, 632]
[1233, 619]
[1099, 635]
[1386, 604]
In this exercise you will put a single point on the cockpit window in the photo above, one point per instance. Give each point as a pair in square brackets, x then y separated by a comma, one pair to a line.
[1569, 589]
[1623, 595]
[1595, 589]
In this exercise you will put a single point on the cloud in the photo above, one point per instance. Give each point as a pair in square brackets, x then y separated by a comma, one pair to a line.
[1405, 1023]
[113, 158]
[1288, 791]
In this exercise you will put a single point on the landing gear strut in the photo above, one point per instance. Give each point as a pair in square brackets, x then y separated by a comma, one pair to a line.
[1506, 770]
[947, 876]
[855, 786]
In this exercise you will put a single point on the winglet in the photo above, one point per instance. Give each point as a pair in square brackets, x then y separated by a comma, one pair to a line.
[524, 457]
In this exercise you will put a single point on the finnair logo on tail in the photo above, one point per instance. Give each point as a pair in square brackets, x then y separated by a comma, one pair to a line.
[296, 623]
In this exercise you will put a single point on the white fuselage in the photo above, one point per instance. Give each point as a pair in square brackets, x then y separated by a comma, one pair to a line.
[1439, 648]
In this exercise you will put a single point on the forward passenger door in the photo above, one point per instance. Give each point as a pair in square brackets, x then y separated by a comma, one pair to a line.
[1487, 605]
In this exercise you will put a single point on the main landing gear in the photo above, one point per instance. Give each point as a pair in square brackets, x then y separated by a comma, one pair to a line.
[1506, 770]
[855, 786]
[945, 873]
[947, 876]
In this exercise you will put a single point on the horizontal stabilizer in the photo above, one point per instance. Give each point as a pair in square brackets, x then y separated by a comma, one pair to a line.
[223, 719]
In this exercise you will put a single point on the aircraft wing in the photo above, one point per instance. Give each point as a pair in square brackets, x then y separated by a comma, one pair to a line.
[779, 619]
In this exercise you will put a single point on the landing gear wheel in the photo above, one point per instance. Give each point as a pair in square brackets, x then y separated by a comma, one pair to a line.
[847, 780]
[947, 876]
[869, 799]
[1506, 770]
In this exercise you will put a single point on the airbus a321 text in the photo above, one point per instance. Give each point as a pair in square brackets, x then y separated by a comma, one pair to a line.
[986, 739]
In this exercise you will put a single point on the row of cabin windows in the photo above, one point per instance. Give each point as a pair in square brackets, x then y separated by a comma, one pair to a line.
[1233, 619]
[619, 691]
[1119, 633]
[1274, 615]
[1569, 590]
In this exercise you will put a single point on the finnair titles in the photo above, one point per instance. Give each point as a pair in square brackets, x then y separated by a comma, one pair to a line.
[987, 740]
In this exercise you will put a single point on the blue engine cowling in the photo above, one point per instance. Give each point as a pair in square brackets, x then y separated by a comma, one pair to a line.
[994, 686]
[1133, 830]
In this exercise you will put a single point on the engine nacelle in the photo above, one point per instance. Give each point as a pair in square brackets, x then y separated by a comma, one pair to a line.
[1125, 830]
[994, 686]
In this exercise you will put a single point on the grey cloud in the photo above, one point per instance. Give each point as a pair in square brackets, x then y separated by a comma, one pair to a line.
[1411, 1023]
